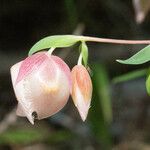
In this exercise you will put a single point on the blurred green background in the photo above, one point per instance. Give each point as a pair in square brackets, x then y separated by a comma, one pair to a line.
[119, 115]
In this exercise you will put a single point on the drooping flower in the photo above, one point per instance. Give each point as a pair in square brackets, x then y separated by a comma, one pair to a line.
[81, 90]
[42, 85]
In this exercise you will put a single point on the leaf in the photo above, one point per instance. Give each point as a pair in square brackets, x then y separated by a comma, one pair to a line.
[141, 57]
[101, 80]
[54, 41]
[148, 82]
[84, 51]
[59, 136]
[101, 108]
[130, 76]
[21, 136]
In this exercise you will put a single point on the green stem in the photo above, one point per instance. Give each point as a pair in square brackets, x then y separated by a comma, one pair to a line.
[80, 59]
[50, 51]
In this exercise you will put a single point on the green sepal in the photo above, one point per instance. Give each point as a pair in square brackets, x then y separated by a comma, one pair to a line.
[84, 51]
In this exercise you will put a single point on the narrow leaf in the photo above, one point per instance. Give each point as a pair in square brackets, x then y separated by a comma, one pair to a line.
[148, 84]
[101, 81]
[141, 57]
[84, 51]
[101, 109]
[54, 41]
[22, 136]
[130, 76]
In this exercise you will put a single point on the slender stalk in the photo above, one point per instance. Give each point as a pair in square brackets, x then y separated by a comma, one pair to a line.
[80, 59]
[114, 41]
[50, 51]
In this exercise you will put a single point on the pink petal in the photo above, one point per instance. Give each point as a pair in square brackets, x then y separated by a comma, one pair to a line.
[81, 90]
[45, 89]
[30, 64]
[64, 67]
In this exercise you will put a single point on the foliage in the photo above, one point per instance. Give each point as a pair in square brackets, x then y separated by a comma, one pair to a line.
[130, 76]
[55, 41]
[84, 51]
[101, 110]
[141, 57]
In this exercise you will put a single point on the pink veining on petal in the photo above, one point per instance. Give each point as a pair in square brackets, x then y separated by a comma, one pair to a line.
[64, 67]
[44, 85]
[29, 64]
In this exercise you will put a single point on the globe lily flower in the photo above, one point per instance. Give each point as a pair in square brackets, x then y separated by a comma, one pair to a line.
[42, 84]
[81, 89]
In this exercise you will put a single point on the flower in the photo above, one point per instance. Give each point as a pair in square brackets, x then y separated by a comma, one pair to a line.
[42, 84]
[81, 89]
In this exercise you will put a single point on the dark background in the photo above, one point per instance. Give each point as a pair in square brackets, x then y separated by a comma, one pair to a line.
[22, 23]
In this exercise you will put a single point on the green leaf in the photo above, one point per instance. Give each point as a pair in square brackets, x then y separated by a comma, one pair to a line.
[101, 108]
[55, 41]
[21, 136]
[84, 51]
[141, 57]
[59, 136]
[148, 83]
[101, 80]
[130, 76]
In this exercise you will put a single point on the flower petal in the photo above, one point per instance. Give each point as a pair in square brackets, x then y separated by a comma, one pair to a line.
[44, 90]
[81, 90]
[63, 66]
[29, 64]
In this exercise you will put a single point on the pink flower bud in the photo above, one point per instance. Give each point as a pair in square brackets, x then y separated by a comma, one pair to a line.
[42, 85]
[81, 90]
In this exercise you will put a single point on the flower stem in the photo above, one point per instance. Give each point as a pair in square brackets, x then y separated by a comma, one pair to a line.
[114, 41]
[80, 59]
[51, 50]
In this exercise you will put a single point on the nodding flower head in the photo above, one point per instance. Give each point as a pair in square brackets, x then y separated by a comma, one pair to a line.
[42, 84]
[81, 90]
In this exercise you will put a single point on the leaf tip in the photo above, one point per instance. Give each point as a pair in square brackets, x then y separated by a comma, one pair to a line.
[120, 61]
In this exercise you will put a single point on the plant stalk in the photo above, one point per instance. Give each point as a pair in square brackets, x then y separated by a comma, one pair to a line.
[113, 41]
